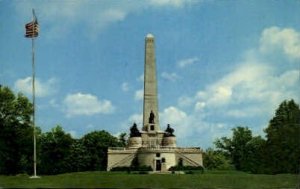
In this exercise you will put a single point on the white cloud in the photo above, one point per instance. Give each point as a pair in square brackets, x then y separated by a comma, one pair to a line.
[61, 17]
[136, 118]
[253, 84]
[286, 40]
[140, 78]
[42, 88]
[185, 101]
[251, 90]
[255, 87]
[139, 95]
[86, 104]
[125, 87]
[243, 112]
[170, 76]
[73, 133]
[191, 130]
[186, 62]
[53, 103]
[172, 3]
[199, 106]
[173, 116]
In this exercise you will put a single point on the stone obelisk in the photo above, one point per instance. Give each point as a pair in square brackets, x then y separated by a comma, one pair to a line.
[150, 113]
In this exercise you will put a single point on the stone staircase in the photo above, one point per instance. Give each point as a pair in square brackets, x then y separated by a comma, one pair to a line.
[184, 157]
[121, 163]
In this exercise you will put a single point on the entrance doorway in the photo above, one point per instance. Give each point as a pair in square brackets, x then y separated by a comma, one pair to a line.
[158, 165]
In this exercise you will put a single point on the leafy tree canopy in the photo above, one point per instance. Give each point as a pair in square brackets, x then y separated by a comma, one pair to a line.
[16, 132]
[283, 144]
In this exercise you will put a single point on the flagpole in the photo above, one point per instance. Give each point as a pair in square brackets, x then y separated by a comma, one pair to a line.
[33, 103]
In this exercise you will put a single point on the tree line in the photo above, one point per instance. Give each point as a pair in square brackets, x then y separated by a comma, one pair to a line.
[58, 152]
[277, 152]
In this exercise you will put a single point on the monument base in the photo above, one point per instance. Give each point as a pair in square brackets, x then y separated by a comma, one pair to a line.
[160, 159]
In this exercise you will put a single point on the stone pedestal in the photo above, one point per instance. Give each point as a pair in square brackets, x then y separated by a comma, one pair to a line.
[135, 142]
[169, 141]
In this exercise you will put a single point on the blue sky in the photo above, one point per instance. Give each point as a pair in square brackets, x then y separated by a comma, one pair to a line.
[220, 64]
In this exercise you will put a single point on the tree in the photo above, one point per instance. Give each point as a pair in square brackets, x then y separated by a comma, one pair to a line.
[16, 133]
[236, 147]
[123, 139]
[96, 144]
[78, 159]
[283, 144]
[213, 159]
[55, 151]
[254, 159]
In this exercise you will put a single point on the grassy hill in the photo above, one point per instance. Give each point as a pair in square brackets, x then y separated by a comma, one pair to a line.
[216, 179]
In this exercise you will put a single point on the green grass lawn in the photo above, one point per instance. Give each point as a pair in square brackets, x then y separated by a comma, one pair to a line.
[216, 179]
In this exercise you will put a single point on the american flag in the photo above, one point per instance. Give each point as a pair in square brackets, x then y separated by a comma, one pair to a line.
[32, 28]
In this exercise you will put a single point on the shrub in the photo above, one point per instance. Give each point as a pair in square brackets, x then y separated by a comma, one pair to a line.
[187, 169]
[189, 172]
[122, 168]
[144, 168]
[129, 169]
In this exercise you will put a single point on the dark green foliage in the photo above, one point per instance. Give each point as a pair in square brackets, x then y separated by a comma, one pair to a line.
[96, 144]
[279, 153]
[235, 147]
[254, 159]
[169, 131]
[144, 168]
[78, 159]
[55, 151]
[123, 139]
[189, 172]
[217, 160]
[131, 168]
[123, 168]
[186, 168]
[58, 152]
[16, 133]
[246, 152]
[134, 131]
[283, 143]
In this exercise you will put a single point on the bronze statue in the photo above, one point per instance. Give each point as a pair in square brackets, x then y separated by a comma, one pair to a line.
[151, 118]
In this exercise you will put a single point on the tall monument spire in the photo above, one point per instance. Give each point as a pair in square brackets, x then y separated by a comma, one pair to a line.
[150, 113]
[152, 147]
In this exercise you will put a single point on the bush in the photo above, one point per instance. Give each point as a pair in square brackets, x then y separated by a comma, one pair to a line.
[144, 168]
[124, 168]
[143, 172]
[189, 172]
[187, 169]
[129, 169]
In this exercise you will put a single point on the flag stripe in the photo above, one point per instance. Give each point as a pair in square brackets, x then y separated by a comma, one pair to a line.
[32, 29]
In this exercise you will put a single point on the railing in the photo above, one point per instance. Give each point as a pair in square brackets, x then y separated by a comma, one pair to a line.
[116, 148]
[181, 149]
[191, 161]
[122, 161]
